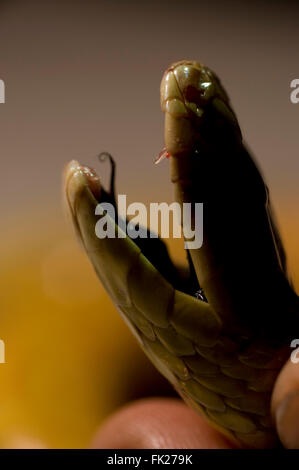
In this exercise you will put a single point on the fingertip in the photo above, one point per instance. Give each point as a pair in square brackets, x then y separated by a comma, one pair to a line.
[285, 405]
[158, 423]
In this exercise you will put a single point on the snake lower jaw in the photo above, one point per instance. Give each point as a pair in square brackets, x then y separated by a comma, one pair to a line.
[78, 179]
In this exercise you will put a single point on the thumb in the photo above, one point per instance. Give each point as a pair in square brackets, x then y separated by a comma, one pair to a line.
[285, 405]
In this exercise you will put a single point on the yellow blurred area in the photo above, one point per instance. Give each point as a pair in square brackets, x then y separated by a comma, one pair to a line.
[70, 359]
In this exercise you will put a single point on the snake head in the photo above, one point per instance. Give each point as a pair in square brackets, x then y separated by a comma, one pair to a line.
[193, 98]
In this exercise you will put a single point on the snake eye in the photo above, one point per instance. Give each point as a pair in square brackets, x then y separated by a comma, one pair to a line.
[195, 85]
[192, 94]
[187, 75]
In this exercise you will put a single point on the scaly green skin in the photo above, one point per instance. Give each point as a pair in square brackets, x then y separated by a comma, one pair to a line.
[223, 355]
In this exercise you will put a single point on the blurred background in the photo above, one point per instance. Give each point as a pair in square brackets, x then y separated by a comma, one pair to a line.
[82, 77]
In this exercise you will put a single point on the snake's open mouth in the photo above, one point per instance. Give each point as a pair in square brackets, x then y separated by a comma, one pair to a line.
[78, 178]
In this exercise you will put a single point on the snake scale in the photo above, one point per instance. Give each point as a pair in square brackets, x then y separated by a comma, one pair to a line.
[221, 350]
